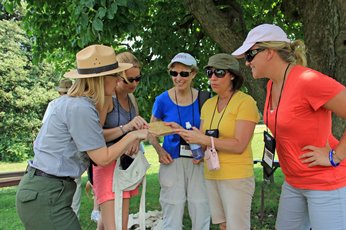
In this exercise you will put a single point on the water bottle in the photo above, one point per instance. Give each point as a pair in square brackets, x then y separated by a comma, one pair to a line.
[196, 149]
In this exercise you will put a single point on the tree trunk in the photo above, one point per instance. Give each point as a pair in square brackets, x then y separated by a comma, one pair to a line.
[324, 24]
[225, 25]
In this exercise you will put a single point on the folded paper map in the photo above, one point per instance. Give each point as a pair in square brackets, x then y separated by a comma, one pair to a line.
[158, 128]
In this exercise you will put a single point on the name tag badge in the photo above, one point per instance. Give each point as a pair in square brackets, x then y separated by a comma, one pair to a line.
[268, 157]
[185, 151]
[269, 149]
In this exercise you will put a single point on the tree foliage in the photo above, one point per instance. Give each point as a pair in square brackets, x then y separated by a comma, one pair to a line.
[74, 24]
[166, 29]
[151, 29]
[24, 93]
[155, 30]
[320, 24]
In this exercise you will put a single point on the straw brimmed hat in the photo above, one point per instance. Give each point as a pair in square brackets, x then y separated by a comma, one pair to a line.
[95, 61]
[64, 85]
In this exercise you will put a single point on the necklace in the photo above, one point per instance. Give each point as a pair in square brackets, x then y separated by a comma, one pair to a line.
[223, 112]
[270, 99]
[177, 105]
[130, 108]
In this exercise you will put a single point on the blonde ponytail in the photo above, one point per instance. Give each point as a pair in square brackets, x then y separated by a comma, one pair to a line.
[293, 52]
[299, 51]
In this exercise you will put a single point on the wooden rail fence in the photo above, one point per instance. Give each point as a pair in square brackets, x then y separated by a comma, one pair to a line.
[10, 178]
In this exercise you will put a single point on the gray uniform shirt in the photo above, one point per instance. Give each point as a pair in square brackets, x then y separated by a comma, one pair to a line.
[71, 128]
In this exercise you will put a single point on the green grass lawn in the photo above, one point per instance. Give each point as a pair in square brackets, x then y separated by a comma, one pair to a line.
[9, 219]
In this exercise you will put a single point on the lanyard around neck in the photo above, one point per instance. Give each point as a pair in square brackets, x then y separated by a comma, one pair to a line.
[177, 105]
[130, 107]
[270, 100]
[223, 112]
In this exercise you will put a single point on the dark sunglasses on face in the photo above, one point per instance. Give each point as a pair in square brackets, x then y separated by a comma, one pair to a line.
[219, 73]
[131, 80]
[250, 54]
[182, 73]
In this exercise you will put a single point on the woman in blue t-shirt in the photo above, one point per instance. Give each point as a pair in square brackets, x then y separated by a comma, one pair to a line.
[181, 178]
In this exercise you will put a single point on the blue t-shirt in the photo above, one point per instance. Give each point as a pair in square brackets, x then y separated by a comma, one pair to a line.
[166, 110]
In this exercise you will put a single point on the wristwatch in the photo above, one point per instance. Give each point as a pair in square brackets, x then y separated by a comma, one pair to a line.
[331, 158]
[122, 129]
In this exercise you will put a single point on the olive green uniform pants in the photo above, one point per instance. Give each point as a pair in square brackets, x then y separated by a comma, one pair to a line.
[45, 203]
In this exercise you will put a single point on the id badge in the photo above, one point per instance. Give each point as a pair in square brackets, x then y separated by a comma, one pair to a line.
[269, 149]
[184, 150]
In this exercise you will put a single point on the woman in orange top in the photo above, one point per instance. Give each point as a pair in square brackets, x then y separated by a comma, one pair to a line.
[298, 109]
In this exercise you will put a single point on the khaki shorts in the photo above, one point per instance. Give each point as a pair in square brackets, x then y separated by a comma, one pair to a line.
[230, 201]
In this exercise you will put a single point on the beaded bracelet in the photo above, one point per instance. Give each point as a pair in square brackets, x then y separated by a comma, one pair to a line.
[331, 154]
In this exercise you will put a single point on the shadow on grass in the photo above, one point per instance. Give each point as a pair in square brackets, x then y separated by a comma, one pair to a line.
[10, 220]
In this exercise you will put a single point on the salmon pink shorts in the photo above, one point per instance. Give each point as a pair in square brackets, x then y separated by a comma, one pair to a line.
[103, 182]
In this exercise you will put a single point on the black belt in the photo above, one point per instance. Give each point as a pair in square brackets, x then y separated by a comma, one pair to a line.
[43, 174]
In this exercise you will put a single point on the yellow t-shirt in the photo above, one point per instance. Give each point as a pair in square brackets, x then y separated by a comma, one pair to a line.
[241, 107]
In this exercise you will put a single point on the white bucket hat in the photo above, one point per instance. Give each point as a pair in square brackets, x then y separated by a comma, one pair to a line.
[95, 61]
[262, 33]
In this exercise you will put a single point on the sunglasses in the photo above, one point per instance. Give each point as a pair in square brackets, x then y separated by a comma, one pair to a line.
[182, 73]
[131, 80]
[251, 54]
[219, 73]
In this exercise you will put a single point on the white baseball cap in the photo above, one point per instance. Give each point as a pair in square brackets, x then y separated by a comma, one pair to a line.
[183, 58]
[262, 33]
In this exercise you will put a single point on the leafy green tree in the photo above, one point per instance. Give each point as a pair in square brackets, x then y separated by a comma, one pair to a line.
[24, 93]
[151, 29]
[158, 29]
[162, 32]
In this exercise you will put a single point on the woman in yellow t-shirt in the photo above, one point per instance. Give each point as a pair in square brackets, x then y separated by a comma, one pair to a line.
[230, 117]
